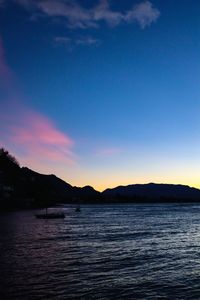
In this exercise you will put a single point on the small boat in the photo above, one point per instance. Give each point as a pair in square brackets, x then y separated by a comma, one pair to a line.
[78, 209]
[53, 215]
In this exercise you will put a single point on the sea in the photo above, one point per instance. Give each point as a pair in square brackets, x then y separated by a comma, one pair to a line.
[133, 251]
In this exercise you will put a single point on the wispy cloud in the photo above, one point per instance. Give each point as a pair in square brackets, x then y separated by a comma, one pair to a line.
[35, 136]
[27, 132]
[88, 41]
[109, 151]
[102, 12]
[78, 16]
[144, 14]
[76, 41]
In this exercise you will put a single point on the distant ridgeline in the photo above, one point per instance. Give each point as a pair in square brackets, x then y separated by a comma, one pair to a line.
[24, 188]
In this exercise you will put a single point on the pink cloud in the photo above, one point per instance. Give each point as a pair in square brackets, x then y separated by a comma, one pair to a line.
[42, 129]
[37, 138]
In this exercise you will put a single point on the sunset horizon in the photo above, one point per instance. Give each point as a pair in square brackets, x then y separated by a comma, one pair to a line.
[111, 185]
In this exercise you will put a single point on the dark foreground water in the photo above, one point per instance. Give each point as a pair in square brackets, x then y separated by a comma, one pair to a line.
[103, 252]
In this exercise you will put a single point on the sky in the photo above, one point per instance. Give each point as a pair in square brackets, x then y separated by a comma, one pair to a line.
[102, 93]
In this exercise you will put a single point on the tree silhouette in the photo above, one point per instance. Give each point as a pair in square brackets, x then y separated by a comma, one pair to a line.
[7, 160]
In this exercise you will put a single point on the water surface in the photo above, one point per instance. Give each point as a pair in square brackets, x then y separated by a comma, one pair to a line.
[103, 252]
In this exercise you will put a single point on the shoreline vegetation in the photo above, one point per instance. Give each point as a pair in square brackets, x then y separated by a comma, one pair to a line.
[22, 188]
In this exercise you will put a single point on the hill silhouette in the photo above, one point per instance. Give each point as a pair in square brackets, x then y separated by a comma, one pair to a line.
[154, 192]
[21, 187]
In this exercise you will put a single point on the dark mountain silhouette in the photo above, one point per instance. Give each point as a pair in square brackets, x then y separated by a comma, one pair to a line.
[21, 187]
[54, 184]
[154, 191]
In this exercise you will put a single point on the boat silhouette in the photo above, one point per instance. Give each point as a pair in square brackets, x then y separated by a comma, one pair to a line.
[53, 215]
[78, 209]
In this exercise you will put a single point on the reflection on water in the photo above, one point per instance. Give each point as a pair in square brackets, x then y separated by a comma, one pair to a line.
[104, 252]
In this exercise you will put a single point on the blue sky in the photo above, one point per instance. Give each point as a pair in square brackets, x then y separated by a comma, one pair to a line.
[102, 92]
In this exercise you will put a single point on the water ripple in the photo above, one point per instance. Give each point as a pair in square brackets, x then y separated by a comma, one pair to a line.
[104, 252]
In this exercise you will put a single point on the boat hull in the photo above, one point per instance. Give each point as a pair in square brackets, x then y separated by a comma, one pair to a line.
[50, 216]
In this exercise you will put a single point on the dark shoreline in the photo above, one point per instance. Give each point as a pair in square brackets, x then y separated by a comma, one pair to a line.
[83, 203]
